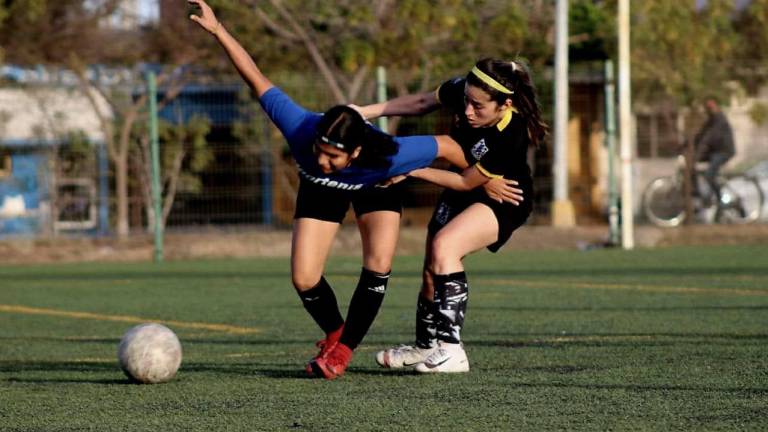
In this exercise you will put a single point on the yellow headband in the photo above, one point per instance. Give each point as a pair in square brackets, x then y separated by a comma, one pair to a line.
[490, 81]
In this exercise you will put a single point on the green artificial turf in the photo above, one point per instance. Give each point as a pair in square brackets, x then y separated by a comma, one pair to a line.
[666, 339]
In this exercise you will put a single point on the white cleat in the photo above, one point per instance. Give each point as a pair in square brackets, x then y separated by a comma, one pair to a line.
[447, 358]
[403, 356]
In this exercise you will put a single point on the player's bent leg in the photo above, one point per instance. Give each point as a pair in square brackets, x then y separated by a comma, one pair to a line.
[473, 229]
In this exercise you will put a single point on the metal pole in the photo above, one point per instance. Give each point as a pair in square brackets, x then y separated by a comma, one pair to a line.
[610, 143]
[381, 94]
[101, 152]
[625, 130]
[155, 156]
[562, 208]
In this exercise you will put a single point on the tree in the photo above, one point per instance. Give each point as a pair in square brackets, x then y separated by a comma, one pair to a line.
[425, 42]
[592, 31]
[129, 113]
[184, 154]
[46, 32]
[750, 64]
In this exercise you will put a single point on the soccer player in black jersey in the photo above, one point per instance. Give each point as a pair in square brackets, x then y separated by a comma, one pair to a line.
[497, 120]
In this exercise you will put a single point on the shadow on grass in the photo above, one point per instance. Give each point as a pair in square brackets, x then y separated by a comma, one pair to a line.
[283, 370]
[185, 341]
[125, 381]
[18, 368]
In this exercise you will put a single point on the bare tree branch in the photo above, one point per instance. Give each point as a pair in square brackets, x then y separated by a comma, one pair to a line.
[277, 29]
[87, 89]
[312, 48]
[172, 180]
[357, 82]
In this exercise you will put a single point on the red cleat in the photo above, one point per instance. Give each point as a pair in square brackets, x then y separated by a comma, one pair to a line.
[333, 364]
[325, 345]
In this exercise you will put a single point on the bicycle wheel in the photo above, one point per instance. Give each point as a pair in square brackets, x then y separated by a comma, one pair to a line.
[741, 200]
[663, 202]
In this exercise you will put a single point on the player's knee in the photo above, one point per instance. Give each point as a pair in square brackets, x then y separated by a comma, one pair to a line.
[442, 251]
[378, 263]
[303, 281]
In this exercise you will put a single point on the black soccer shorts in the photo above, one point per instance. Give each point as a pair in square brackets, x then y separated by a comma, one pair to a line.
[328, 204]
[509, 217]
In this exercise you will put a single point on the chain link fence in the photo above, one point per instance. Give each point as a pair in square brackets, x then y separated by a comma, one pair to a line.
[226, 166]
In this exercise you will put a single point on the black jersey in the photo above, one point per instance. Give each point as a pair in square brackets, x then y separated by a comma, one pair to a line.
[497, 151]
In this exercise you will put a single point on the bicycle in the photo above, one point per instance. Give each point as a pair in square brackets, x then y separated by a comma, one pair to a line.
[741, 198]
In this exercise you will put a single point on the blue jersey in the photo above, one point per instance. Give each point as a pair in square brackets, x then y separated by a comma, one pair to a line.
[298, 126]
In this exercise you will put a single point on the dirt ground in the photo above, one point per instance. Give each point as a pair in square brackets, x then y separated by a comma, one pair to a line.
[257, 243]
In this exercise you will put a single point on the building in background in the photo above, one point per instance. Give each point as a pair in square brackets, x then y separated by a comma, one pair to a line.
[45, 188]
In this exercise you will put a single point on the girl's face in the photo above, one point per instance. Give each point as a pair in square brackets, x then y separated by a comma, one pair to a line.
[330, 159]
[481, 111]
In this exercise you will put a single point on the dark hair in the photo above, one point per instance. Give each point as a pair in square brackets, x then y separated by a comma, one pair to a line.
[515, 77]
[345, 129]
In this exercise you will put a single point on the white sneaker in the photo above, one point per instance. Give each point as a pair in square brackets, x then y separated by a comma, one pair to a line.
[447, 358]
[403, 356]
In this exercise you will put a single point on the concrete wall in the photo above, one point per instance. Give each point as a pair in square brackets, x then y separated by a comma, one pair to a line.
[48, 114]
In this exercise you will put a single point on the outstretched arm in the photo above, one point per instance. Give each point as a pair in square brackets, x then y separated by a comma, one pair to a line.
[413, 104]
[450, 150]
[467, 180]
[237, 54]
[498, 189]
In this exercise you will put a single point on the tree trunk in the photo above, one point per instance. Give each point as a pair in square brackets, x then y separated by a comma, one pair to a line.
[121, 189]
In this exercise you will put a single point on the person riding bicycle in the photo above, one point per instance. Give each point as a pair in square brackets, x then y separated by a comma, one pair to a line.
[713, 144]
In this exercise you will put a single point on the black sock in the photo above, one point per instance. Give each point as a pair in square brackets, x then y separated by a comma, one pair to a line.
[451, 292]
[426, 331]
[364, 307]
[320, 302]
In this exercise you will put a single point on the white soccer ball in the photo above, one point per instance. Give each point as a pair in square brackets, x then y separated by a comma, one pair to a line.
[149, 353]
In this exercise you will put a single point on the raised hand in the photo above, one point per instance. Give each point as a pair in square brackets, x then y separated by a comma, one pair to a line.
[206, 19]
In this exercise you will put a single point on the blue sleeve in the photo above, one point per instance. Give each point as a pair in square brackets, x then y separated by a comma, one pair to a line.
[295, 122]
[414, 152]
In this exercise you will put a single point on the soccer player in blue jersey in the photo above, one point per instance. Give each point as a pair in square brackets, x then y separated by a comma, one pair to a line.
[341, 159]
[497, 120]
